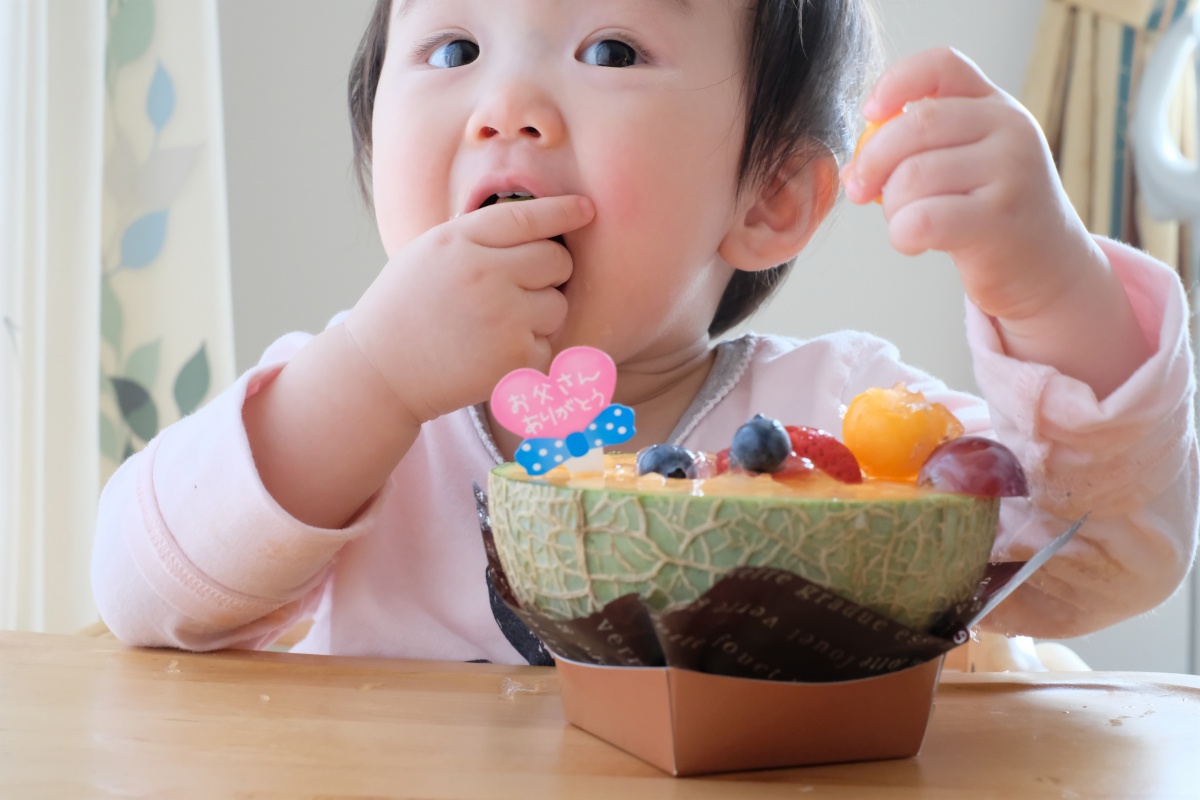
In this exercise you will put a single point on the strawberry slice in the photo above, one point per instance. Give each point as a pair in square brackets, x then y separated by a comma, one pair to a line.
[724, 463]
[826, 452]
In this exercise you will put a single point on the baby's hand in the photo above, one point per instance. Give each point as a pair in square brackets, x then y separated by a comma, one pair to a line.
[469, 301]
[966, 170]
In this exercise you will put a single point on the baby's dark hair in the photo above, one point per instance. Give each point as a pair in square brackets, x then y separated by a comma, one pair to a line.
[808, 63]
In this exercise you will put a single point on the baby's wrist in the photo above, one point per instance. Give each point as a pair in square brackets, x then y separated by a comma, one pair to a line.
[1090, 333]
[390, 402]
[1072, 279]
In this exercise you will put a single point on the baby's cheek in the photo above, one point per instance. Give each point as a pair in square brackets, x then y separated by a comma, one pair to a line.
[620, 195]
[402, 210]
[401, 216]
[387, 220]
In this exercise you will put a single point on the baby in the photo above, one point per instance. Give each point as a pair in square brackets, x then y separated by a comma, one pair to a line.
[679, 154]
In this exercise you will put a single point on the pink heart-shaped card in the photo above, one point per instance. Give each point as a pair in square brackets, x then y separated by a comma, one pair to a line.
[580, 385]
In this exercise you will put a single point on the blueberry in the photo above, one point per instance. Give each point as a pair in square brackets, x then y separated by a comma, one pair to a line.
[761, 445]
[668, 460]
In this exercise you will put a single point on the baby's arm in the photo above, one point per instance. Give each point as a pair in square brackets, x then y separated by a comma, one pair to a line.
[191, 550]
[967, 171]
[1129, 459]
[1081, 345]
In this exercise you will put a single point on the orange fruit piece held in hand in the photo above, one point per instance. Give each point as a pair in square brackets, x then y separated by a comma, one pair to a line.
[870, 130]
[892, 431]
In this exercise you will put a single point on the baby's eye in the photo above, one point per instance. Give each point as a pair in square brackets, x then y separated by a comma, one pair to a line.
[609, 53]
[457, 53]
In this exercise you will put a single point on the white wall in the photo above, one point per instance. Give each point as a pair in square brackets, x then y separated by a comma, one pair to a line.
[303, 247]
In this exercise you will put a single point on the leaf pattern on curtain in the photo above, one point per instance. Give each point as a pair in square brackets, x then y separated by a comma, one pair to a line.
[149, 375]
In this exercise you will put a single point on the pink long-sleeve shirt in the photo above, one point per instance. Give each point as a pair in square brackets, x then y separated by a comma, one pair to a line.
[192, 551]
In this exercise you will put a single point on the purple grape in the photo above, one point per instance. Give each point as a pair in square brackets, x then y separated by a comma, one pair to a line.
[976, 466]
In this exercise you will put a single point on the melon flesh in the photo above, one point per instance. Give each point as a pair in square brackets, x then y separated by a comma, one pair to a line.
[569, 547]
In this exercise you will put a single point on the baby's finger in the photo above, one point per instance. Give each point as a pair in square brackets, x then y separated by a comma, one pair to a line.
[929, 125]
[547, 309]
[957, 170]
[514, 223]
[944, 222]
[943, 72]
[539, 265]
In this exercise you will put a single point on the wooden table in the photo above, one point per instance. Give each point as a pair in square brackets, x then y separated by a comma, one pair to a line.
[84, 718]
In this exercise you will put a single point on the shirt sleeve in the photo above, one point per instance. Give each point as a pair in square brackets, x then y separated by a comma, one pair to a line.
[192, 551]
[1129, 461]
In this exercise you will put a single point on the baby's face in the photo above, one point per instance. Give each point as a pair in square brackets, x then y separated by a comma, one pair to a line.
[636, 104]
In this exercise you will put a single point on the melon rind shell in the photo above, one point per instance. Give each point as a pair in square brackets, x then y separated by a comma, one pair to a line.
[567, 552]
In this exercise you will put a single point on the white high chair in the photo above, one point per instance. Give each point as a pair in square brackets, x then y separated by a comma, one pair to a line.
[1169, 182]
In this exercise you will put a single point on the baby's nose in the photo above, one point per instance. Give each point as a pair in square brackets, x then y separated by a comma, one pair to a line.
[518, 112]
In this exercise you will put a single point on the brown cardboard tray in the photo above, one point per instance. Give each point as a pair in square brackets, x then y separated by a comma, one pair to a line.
[692, 723]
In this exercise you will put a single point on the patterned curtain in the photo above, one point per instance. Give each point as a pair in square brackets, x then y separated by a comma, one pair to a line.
[1082, 86]
[166, 309]
[114, 270]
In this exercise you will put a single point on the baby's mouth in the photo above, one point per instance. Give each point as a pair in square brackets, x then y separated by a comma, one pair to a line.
[506, 197]
[515, 197]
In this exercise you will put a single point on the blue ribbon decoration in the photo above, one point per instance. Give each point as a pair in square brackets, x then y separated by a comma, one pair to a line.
[613, 425]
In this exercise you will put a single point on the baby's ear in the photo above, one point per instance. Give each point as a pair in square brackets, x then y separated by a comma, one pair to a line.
[775, 221]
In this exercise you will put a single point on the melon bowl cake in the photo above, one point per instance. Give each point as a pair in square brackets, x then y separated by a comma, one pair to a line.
[902, 524]
[572, 545]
